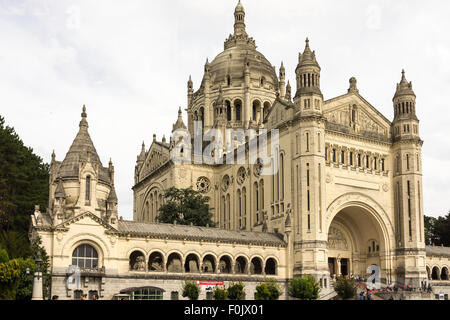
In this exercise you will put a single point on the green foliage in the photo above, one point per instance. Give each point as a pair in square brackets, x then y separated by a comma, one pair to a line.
[185, 206]
[23, 184]
[437, 230]
[220, 294]
[4, 257]
[25, 283]
[9, 278]
[345, 288]
[306, 288]
[268, 290]
[191, 290]
[236, 291]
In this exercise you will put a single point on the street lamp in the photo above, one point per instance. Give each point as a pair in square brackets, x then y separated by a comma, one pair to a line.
[37, 281]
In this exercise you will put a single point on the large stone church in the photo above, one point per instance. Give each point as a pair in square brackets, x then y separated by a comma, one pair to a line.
[347, 193]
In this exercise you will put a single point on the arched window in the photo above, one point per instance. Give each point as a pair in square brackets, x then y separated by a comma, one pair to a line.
[240, 267]
[256, 202]
[237, 107]
[228, 103]
[85, 256]
[88, 188]
[244, 207]
[228, 80]
[282, 175]
[228, 211]
[239, 207]
[271, 267]
[209, 264]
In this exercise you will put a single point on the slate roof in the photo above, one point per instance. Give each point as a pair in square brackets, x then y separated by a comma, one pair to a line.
[81, 147]
[171, 231]
[438, 251]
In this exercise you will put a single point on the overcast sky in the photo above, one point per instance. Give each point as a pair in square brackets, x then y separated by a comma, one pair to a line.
[129, 62]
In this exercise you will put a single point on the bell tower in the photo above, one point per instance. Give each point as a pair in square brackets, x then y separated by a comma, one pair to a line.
[310, 245]
[407, 187]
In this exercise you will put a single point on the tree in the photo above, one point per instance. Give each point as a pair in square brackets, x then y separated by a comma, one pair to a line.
[23, 184]
[220, 294]
[185, 206]
[437, 230]
[306, 288]
[345, 288]
[191, 290]
[236, 291]
[430, 236]
[268, 290]
[9, 278]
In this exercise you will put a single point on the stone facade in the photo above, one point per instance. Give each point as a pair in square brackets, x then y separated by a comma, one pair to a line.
[347, 195]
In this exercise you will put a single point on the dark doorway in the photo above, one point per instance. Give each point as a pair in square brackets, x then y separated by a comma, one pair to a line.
[344, 267]
[331, 262]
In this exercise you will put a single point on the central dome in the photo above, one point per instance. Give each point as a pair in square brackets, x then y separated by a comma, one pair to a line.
[233, 61]
[240, 52]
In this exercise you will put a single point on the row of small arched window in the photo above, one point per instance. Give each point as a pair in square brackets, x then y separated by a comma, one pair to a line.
[174, 263]
[436, 274]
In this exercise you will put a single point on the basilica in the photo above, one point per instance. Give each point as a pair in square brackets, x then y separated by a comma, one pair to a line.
[347, 193]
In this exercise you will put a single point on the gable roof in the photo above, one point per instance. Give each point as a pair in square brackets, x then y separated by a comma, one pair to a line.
[192, 233]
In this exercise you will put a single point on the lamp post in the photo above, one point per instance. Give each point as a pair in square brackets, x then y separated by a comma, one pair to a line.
[37, 281]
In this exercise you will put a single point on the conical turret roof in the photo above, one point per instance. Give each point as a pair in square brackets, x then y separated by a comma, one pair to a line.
[82, 148]
[308, 58]
[404, 87]
[179, 124]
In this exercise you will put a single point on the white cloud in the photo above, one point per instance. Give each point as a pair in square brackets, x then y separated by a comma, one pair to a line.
[129, 61]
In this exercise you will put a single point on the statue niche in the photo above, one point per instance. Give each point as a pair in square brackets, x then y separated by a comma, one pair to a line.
[137, 261]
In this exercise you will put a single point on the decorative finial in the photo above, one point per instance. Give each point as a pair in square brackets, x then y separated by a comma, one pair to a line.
[353, 87]
[83, 122]
[154, 137]
[53, 155]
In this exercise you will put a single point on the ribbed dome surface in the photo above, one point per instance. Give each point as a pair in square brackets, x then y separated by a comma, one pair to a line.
[231, 62]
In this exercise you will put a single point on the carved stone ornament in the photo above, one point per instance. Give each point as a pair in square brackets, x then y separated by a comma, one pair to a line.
[336, 239]
[226, 182]
[257, 167]
[241, 175]
[203, 185]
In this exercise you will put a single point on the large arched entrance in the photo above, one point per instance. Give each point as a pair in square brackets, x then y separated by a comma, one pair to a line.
[358, 237]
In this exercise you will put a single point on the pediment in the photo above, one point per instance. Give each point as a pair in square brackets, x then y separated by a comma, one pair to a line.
[155, 157]
[280, 112]
[86, 215]
[354, 115]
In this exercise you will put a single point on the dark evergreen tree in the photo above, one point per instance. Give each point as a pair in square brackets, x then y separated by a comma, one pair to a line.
[23, 184]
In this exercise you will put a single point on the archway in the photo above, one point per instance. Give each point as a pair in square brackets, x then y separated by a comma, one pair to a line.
[240, 265]
[435, 273]
[256, 266]
[156, 262]
[357, 239]
[209, 264]
[137, 261]
[191, 264]
[444, 273]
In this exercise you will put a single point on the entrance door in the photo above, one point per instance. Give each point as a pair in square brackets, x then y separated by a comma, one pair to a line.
[331, 262]
[344, 267]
